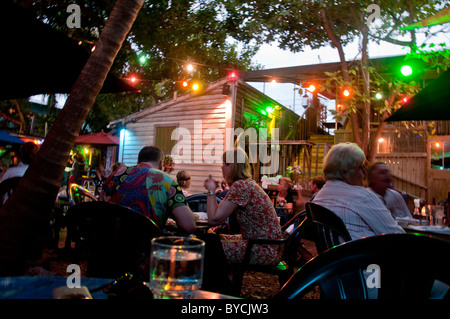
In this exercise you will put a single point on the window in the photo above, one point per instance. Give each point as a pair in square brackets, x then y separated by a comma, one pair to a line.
[163, 138]
[440, 154]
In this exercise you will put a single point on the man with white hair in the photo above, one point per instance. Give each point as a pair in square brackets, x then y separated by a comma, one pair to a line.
[362, 212]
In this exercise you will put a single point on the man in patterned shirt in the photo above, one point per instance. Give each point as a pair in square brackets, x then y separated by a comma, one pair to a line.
[148, 190]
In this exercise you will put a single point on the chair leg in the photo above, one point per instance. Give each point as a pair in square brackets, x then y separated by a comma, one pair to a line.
[238, 276]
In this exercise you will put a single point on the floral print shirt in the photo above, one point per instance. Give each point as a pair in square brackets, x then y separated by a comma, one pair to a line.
[257, 219]
[144, 189]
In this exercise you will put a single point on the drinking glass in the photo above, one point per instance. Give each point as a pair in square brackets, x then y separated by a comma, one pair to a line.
[176, 267]
[435, 215]
[439, 216]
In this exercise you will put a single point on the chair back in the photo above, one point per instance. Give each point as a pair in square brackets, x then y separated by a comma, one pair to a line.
[197, 202]
[7, 187]
[113, 238]
[79, 194]
[329, 228]
[376, 267]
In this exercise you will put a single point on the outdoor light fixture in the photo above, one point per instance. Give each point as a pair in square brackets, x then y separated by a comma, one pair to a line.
[406, 70]
[378, 96]
[190, 67]
[311, 88]
[142, 59]
[305, 100]
[269, 109]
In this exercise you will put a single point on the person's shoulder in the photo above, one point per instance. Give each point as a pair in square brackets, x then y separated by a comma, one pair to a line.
[394, 193]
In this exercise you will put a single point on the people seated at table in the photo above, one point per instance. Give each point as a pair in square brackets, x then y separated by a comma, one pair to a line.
[26, 154]
[380, 182]
[222, 191]
[255, 214]
[184, 180]
[146, 189]
[316, 185]
[285, 200]
[363, 213]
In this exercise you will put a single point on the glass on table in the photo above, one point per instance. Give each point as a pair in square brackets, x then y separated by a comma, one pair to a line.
[435, 215]
[176, 267]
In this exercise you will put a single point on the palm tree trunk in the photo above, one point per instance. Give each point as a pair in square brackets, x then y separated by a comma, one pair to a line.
[25, 216]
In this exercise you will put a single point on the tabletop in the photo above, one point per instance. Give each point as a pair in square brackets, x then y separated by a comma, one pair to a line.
[442, 232]
[41, 287]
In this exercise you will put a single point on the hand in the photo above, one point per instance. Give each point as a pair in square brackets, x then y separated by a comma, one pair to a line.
[210, 184]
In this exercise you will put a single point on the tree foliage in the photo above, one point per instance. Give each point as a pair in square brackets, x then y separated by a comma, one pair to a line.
[166, 33]
[297, 24]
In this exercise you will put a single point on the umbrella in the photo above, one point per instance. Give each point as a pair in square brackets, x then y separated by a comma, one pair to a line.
[441, 17]
[101, 138]
[430, 104]
[37, 59]
[6, 137]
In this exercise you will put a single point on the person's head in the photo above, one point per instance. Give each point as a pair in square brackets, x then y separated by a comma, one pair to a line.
[235, 166]
[152, 155]
[317, 184]
[27, 152]
[78, 157]
[285, 184]
[184, 179]
[345, 162]
[378, 177]
[223, 184]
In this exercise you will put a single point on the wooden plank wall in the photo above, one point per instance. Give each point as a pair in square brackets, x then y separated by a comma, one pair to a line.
[408, 172]
[209, 108]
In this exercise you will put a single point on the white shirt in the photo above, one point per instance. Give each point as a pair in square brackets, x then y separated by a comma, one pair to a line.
[362, 212]
[395, 203]
[16, 171]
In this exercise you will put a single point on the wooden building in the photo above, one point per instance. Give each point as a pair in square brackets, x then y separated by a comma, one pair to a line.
[192, 128]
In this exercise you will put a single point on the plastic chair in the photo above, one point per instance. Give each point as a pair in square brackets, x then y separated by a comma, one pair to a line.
[285, 268]
[7, 187]
[197, 202]
[329, 229]
[79, 194]
[115, 239]
[377, 267]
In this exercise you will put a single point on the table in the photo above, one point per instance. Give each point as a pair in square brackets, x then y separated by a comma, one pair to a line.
[442, 233]
[39, 287]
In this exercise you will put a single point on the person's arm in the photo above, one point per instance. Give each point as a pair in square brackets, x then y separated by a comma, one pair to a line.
[184, 218]
[217, 213]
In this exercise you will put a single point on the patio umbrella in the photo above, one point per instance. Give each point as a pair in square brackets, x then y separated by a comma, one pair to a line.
[37, 59]
[101, 138]
[6, 137]
[441, 17]
[430, 104]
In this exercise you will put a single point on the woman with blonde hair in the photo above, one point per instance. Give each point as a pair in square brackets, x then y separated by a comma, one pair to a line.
[255, 213]
[184, 180]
